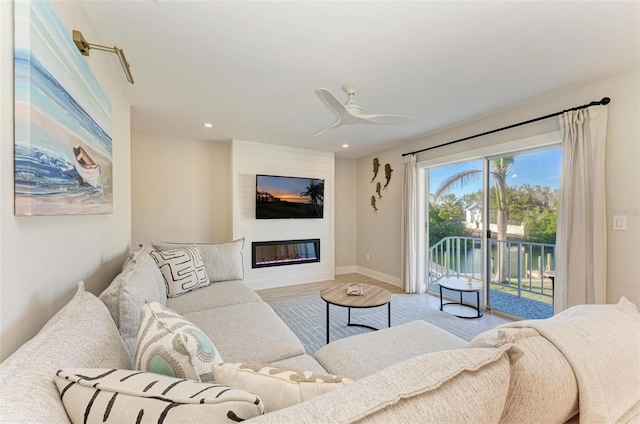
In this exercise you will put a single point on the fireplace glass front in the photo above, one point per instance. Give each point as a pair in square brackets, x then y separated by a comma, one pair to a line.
[287, 252]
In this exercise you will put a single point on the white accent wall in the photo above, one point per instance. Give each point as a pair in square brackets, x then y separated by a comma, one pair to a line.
[251, 158]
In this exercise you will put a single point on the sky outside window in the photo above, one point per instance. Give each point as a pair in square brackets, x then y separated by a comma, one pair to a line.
[536, 169]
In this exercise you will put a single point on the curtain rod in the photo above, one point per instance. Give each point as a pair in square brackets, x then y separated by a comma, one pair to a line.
[604, 101]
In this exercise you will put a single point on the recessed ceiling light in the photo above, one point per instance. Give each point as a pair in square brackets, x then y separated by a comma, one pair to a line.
[345, 145]
[208, 125]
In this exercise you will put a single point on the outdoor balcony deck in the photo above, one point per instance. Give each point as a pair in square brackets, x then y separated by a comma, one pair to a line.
[517, 285]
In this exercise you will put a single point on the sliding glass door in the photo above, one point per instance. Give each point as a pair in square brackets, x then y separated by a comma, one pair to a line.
[455, 222]
[523, 210]
[513, 257]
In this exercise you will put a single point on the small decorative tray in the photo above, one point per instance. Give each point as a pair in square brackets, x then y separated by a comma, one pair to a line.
[354, 289]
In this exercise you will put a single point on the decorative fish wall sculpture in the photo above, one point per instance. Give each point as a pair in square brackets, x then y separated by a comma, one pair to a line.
[387, 174]
[376, 166]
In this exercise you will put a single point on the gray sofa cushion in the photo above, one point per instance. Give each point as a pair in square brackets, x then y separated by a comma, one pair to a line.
[248, 332]
[224, 293]
[139, 281]
[305, 362]
[358, 356]
[81, 334]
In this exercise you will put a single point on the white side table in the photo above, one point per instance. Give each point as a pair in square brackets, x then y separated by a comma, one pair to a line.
[461, 285]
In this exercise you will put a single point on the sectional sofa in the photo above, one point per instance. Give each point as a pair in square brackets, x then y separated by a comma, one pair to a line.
[581, 365]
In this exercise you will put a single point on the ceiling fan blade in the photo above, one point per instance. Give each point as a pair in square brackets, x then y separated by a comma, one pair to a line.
[386, 119]
[351, 113]
[332, 103]
[333, 126]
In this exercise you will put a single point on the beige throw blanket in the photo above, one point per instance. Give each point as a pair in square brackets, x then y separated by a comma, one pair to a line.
[602, 345]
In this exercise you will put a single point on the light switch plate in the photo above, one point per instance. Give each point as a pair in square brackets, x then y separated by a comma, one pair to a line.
[620, 223]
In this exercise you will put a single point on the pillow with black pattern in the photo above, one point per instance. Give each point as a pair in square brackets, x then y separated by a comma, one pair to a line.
[223, 261]
[99, 395]
[183, 269]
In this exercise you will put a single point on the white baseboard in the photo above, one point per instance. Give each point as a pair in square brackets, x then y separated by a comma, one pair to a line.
[380, 276]
[346, 269]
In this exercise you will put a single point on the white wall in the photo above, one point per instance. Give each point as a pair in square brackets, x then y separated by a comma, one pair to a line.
[379, 233]
[247, 160]
[43, 257]
[346, 215]
[180, 189]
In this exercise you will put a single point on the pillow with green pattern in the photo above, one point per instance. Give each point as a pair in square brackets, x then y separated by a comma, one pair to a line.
[169, 344]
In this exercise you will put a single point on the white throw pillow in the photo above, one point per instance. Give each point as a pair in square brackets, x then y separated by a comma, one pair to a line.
[278, 387]
[99, 395]
[182, 269]
[169, 344]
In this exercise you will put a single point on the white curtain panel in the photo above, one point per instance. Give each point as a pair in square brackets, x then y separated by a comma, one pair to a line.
[581, 255]
[409, 222]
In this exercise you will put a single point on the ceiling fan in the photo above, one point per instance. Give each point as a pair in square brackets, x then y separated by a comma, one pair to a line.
[351, 113]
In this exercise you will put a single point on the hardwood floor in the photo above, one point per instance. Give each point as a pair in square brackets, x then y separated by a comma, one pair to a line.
[486, 322]
[289, 292]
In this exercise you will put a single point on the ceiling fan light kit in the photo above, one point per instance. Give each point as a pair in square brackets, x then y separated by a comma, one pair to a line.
[351, 113]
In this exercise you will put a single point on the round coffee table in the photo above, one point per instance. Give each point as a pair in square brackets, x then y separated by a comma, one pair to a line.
[372, 297]
[461, 285]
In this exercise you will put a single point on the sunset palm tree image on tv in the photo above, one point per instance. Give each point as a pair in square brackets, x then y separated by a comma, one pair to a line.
[279, 197]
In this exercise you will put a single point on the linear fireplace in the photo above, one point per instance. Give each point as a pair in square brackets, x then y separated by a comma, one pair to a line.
[286, 252]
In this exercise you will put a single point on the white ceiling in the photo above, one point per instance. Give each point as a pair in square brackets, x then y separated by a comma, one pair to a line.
[251, 68]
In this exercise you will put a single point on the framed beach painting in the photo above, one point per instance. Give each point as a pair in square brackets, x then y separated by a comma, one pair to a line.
[63, 146]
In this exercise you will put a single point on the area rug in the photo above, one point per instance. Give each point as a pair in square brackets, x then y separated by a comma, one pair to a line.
[306, 316]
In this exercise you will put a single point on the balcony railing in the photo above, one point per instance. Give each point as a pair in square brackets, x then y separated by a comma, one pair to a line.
[523, 269]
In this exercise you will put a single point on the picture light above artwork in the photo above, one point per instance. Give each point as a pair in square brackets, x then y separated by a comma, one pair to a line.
[85, 46]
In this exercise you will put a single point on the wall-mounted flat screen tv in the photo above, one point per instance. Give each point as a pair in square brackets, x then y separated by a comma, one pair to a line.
[279, 197]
